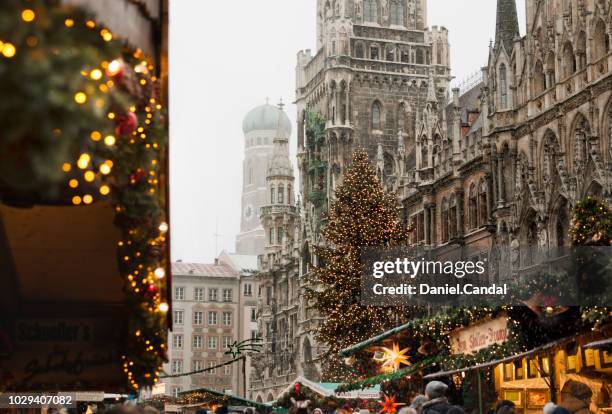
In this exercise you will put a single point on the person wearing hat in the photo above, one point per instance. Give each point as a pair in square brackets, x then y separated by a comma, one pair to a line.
[436, 403]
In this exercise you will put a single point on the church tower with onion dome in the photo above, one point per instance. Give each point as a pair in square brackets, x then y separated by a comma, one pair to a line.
[260, 127]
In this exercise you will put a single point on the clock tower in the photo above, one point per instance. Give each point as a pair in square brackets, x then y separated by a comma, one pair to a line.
[260, 127]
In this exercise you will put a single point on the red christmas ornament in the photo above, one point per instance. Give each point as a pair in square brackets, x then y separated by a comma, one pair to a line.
[137, 176]
[126, 124]
[296, 387]
[115, 69]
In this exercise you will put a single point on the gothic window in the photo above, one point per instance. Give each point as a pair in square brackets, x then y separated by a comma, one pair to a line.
[397, 12]
[482, 203]
[249, 177]
[374, 54]
[551, 78]
[420, 57]
[390, 53]
[473, 207]
[539, 79]
[444, 217]
[401, 117]
[421, 228]
[601, 43]
[376, 116]
[370, 11]
[439, 50]
[280, 233]
[271, 236]
[271, 195]
[359, 53]
[452, 225]
[389, 167]
[424, 154]
[280, 197]
[568, 60]
[404, 57]
[289, 195]
[580, 55]
[503, 86]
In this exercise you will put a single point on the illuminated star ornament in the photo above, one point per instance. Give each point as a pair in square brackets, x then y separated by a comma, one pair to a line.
[388, 405]
[394, 358]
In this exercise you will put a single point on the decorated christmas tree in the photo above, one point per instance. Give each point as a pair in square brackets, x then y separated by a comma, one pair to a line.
[362, 215]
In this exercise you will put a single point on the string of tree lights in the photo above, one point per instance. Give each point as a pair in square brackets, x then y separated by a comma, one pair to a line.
[90, 128]
[361, 215]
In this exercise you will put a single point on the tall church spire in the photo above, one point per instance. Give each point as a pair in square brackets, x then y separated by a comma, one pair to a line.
[507, 27]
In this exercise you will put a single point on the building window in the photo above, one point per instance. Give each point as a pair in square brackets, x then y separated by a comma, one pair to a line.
[568, 60]
[227, 341]
[271, 195]
[197, 365]
[179, 317]
[177, 341]
[213, 294]
[482, 203]
[197, 341]
[227, 319]
[370, 11]
[198, 294]
[445, 234]
[503, 86]
[271, 235]
[212, 342]
[227, 369]
[176, 391]
[473, 207]
[452, 225]
[376, 115]
[279, 234]
[268, 295]
[359, 52]
[253, 314]
[374, 52]
[179, 293]
[601, 41]
[254, 334]
[401, 117]
[539, 78]
[248, 289]
[177, 366]
[280, 199]
[198, 318]
[212, 365]
[227, 295]
[420, 56]
[212, 318]
[397, 12]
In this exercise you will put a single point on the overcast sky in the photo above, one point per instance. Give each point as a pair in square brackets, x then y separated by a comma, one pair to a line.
[226, 57]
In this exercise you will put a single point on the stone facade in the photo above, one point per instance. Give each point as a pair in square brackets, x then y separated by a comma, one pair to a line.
[490, 171]
[537, 141]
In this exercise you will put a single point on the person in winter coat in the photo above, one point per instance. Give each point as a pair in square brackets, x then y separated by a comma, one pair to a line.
[505, 407]
[576, 397]
[417, 403]
[436, 403]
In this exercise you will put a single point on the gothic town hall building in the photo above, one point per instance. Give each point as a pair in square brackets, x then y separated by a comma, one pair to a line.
[489, 171]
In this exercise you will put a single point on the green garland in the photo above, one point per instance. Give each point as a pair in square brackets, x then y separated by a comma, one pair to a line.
[83, 124]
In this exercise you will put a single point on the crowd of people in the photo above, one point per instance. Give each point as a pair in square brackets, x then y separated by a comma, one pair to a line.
[575, 396]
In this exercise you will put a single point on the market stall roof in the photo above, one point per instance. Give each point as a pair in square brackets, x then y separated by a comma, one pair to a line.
[328, 389]
[231, 398]
[502, 360]
[599, 344]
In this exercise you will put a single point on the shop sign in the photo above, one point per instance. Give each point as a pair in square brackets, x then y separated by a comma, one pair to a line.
[90, 396]
[367, 394]
[473, 338]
